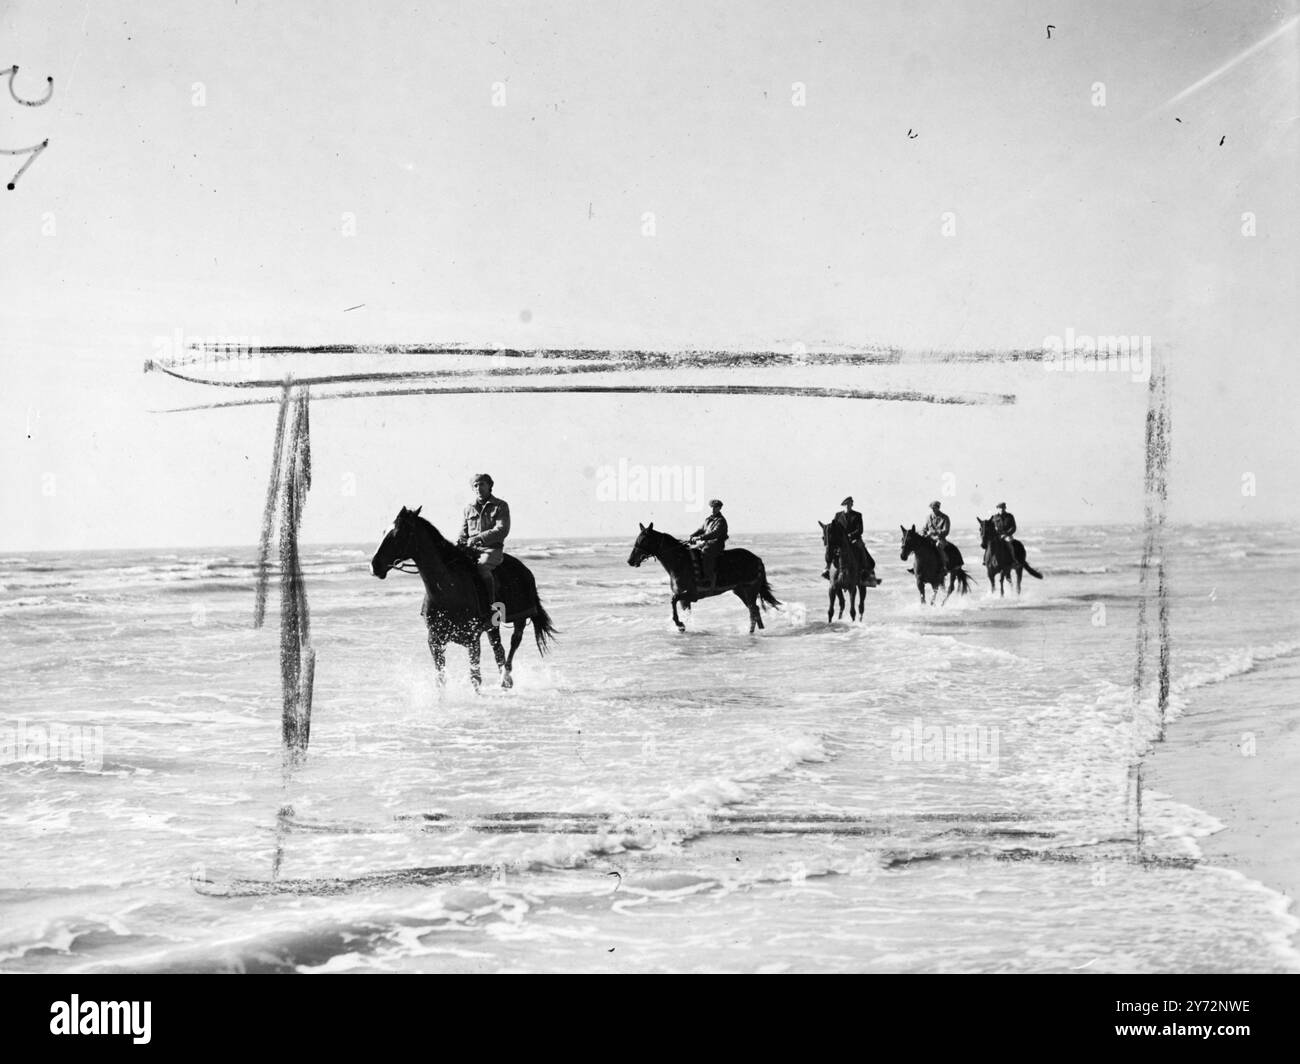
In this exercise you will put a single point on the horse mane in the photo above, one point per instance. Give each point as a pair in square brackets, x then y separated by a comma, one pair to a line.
[451, 552]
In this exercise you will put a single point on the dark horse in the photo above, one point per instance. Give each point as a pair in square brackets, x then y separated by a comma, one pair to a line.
[737, 570]
[1001, 560]
[847, 573]
[456, 606]
[927, 566]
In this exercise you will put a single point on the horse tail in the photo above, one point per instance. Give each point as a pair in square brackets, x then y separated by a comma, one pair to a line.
[1019, 556]
[543, 629]
[963, 580]
[764, 592]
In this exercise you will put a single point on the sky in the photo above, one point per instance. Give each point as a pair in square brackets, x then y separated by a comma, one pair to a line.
[924, 175]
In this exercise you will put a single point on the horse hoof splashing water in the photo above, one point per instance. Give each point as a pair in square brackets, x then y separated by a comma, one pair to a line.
[737, 570]
[456, 601]
[850, 569]
[929, 567]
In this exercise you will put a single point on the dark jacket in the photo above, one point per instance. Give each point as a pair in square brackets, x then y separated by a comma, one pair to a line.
[851, 522]
[713, 532]
[1004, 524]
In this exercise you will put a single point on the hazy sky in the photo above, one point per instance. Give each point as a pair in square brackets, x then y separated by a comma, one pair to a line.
[204, 158]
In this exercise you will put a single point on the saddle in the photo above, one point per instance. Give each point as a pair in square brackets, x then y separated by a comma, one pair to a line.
[1017, 549]
[697, 568]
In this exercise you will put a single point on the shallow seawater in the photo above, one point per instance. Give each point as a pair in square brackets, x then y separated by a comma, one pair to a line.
[935, 789]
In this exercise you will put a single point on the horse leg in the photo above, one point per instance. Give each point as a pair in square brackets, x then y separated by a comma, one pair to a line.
[439, 652]
[1002, 583]
[993, 580]
[750, 598]
[920, 587]
[475, 648]
[516, 638]
[498, 652]
[830, 604]
[1019, 572]
[677, 620]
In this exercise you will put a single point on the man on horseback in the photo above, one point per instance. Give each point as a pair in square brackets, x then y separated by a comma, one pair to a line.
[708, 539]
[1004, 525]
[851, 521]
[937, 527]
[484, 529]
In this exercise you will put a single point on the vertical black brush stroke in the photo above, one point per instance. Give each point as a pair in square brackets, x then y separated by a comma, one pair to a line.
[1156, 492]
[1156, 489]
[268, 512]
[295, 633]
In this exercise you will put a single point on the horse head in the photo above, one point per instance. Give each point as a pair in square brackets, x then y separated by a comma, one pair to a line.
[644, 546]
[910, 536]
[398, 544]
[832, 538]
[984, 531]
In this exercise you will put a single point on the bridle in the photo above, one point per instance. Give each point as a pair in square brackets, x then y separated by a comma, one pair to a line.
[403, 565]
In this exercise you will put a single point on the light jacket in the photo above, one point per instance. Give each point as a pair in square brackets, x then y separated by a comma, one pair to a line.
[489, 520]
[937, 525]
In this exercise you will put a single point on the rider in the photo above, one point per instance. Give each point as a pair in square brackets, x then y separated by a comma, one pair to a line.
[936, 527]
[484, 529]
[1004, 525]
[708, 540]
[851, 521]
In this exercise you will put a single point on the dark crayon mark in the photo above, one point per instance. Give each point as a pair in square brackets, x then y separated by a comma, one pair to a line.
[1178, 120]
[911, 135]
[1049, 31]
[1222, 139]
[35, 150]
[49, 89]
[268, 515]
[625, 359]
[399, 375]
[357, 307]
[1156, 490]
[286, 494]
[247, 888]
[970, 399]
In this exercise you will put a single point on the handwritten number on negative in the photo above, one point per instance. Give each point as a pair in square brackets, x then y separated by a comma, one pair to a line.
[35, 149]
[49, 90]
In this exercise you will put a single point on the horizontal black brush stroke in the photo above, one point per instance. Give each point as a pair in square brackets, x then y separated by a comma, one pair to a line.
[648, 359]
[977, 399]
[395, 375]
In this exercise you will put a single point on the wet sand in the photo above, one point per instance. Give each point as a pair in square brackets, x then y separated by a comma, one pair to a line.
[1234, 754]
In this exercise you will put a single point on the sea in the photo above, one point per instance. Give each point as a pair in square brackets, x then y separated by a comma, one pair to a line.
[933, 788]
